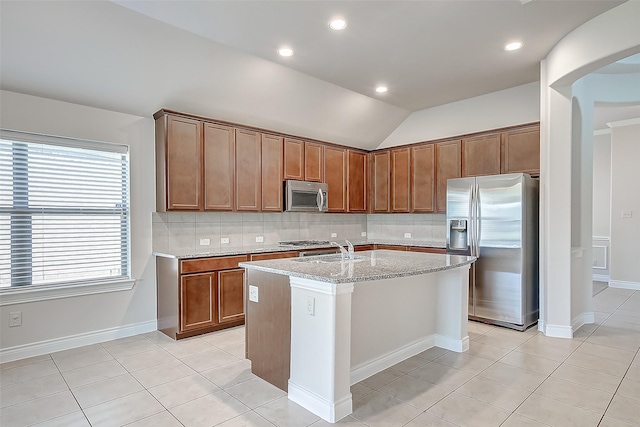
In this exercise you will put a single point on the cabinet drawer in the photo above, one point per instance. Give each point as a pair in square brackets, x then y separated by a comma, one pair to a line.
[427, 250]
[211, 264]
[391, 247]
[274, 255]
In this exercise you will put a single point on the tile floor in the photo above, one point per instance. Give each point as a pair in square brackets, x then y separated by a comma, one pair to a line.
[506, 379]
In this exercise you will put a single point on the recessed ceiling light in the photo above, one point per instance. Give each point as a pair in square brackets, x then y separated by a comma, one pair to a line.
[285, 51]
[381, 89]
[513, 46]
[338, 24]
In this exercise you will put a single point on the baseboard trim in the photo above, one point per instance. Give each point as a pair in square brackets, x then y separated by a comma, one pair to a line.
[624, 285]
[558, 331]
[72, 341]
[581, 320]
[452, 344]
[328, 411]
[600, 278]
[370, 367]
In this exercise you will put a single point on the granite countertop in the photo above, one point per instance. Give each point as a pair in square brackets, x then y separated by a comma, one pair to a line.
[277, 248]
[372, 265]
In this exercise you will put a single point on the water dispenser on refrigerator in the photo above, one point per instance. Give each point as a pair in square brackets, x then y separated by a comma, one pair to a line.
[458, 240]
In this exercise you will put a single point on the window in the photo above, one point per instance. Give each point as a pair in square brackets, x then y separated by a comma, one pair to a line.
[64, 212]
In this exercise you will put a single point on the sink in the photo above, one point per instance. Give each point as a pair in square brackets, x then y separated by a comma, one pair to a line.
[327, 259]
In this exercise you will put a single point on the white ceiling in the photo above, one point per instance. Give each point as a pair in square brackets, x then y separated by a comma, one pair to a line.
[217, 58]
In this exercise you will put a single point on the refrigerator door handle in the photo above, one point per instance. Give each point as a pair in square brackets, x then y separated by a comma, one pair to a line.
[477, 228]
[471, 225]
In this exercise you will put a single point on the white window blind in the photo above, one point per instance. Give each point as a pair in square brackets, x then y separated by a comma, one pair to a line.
[64, 211]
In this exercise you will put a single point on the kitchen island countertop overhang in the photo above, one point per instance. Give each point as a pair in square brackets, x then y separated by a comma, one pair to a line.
[340, 322]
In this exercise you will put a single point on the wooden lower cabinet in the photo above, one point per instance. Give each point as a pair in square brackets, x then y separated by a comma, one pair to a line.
[231, 295]
[198, 301]
[391, 247]
[428, 250]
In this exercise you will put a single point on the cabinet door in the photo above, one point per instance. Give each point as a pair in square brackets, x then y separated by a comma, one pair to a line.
[293, 159]
[380, 186]
[198, 301]
[391, 247]
[219, 154]
[248, 170]
[335, 174]
[184, 164]
[313, 162]
[448, 165]
[481, 155]
[357, 182]
[400, 179]
[521, 150]
[272, 173]
[423, 172]
[231, 295]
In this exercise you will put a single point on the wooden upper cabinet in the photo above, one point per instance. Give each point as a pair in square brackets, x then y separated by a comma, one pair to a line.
[293, 159]
[400, 179]
[248, 170]
[448, 165]
[313, 162]
[219, 164]
[357, 182]
[335, 174]
[183, 148]
[380, 174]
[272, 172]
[481, 155]
[521, 150]
[423, 174]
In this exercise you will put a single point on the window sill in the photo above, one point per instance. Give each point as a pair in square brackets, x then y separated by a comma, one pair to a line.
[19, 296]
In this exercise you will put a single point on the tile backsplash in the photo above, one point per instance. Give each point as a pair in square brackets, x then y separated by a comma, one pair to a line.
[184, 231]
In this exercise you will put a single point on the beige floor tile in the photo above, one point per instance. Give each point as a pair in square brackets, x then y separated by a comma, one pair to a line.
[209, 410]
[487, 351]
[67, 362]
[255, 392]
[575, 394]
[466, 411]
[130, 348]
[39, 410]
[284, 413]
[517, 420]
[236, 350]
[183, 390]
[427, 420]
[161, 419]
[125, 340]
[162, 374]
[25, 361]
[611, 353]
[612, 422]
[432, 353]
[124, 410]
[636, 360]
[223, 338]
[587, 377]
[76, 351]
[624, 409]
[415, 392]
[494, 393]
[441, 375]
[510, 342]
[74, 419]
[479, 328]
[464, 362]
[182, 349]
[530, 362]
[359, 391]
[32, 389]
[146, 360]
[346, 421]
[615, 337]
[515, 377]
[230, 374]
[598, 363]
[209, 360]
[556, 413]
[23, 373]
[379, 409]
[103, 391]
[93, 373]
[552, 349]
[382, 378]
[629, 388]
[410, 364]
[633, 373]
[613, 323]
[158, 338]
[600, 317]
[250, 419]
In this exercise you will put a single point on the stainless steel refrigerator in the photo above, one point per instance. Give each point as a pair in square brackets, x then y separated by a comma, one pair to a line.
[496, 219]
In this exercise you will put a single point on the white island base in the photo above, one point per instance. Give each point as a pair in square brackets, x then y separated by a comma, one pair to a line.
[342, 333]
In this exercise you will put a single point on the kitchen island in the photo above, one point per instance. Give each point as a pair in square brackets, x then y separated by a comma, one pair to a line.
[317, 325]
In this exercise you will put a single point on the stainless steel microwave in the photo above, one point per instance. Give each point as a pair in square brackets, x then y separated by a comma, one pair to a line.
[303, 196]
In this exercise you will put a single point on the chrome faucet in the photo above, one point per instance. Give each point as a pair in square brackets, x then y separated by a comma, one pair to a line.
[343, 251]
[351, 250]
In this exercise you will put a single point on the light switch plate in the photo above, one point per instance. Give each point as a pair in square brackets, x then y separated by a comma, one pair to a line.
[311, 306]
[259, 239]
[363, 234]
[627, 214]
[334, 234]
[205, 242]
[407, 235]
[253, 293]
[15, 319]
[224, 240]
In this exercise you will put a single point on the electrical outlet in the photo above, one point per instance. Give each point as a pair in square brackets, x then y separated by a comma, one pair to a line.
[407, 235]
[253, 293]
[205, 242]
[259, 239]
[224, 240]
[311, 306]
[15, 319]
[363, 234]
[627, 214]
[334, 234]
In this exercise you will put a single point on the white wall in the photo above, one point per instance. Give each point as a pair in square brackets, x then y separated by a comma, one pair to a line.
[601, 203]
[625, 232]
[68, 322]
[514, 106]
